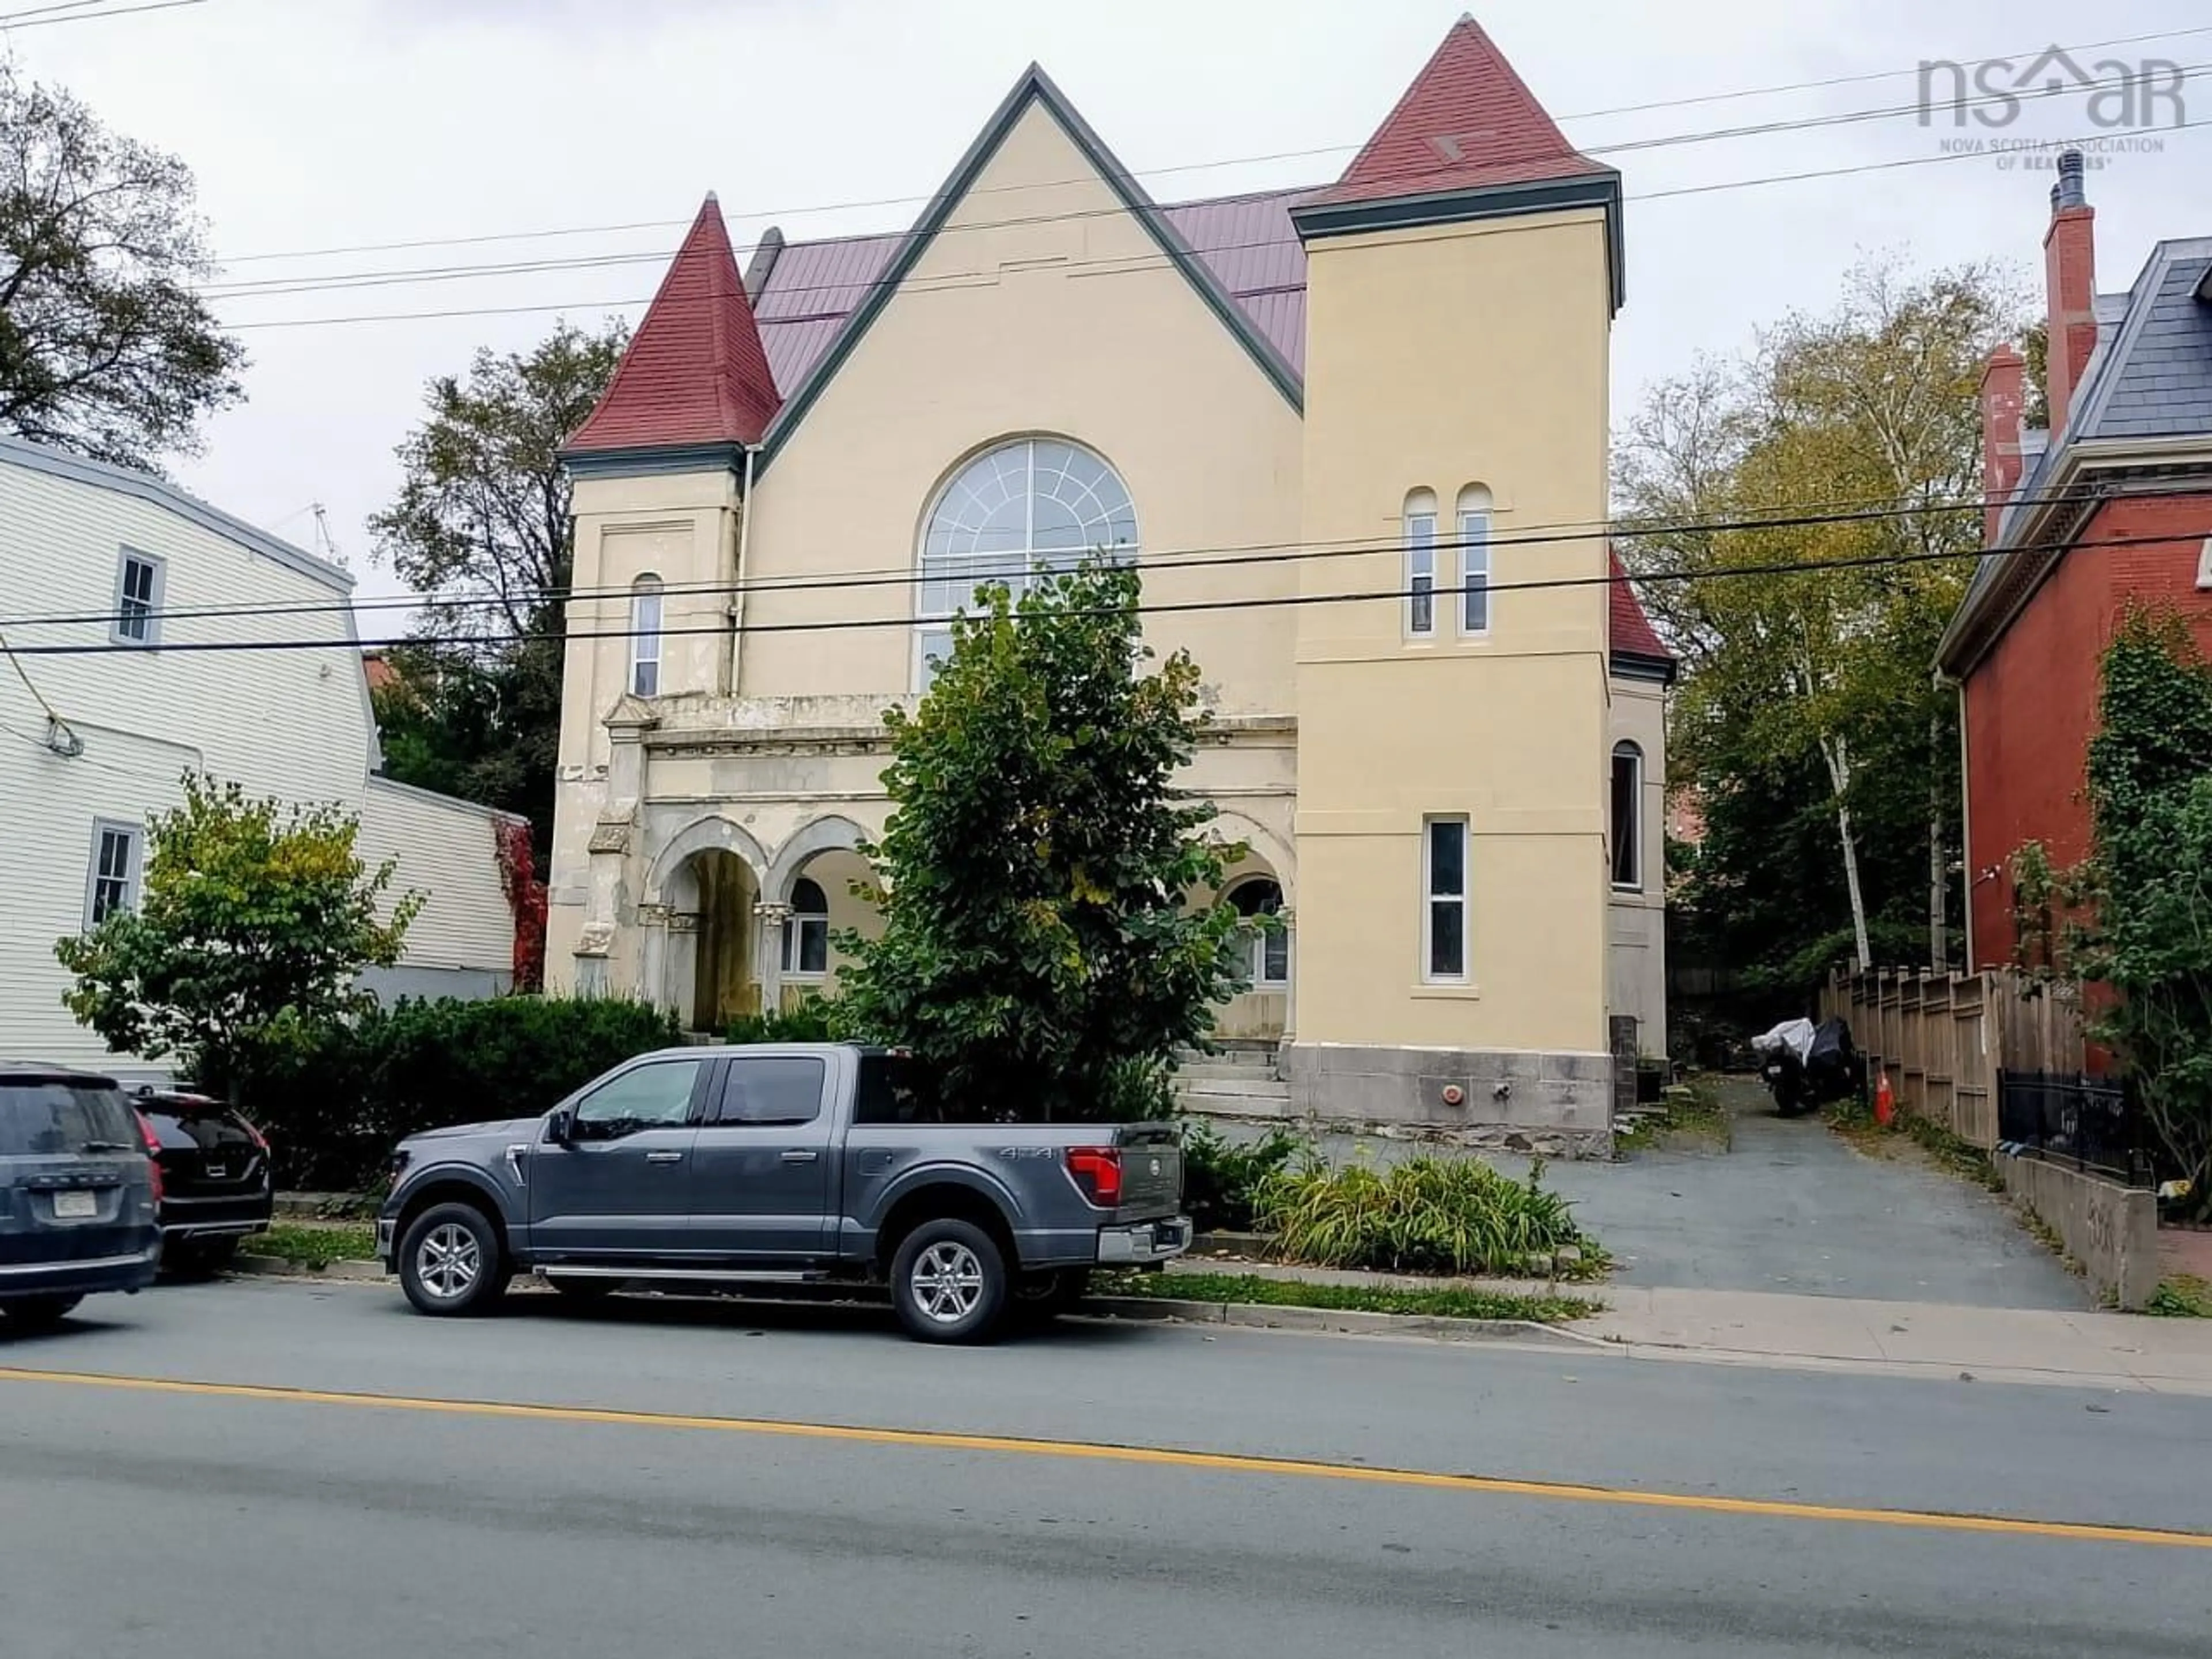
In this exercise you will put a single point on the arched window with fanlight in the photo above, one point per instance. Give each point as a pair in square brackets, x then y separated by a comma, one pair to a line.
[1259, 899]
[806, 931]
[645, 636]
[1018, 512]
[1627, 818]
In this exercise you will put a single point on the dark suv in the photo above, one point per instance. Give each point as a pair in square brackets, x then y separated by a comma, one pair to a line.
[215, 1186]
[78, 1193]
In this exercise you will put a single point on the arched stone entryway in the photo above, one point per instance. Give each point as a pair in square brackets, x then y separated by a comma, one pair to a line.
[701, 918]
[810, 900]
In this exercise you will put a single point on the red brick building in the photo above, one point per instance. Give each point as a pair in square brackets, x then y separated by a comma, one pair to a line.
[2112, 507]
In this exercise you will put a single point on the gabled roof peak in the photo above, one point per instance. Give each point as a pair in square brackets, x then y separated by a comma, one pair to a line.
[694, 373]
[1468, 121]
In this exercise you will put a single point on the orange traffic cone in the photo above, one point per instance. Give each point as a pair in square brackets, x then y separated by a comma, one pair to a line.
[1885, 1103]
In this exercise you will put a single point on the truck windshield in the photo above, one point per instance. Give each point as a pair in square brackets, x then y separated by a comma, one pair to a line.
[55, 1119]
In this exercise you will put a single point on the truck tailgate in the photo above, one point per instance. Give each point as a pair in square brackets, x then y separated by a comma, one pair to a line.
[1151, 1170]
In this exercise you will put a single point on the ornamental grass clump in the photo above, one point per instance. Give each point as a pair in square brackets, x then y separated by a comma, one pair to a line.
[1427, 1215]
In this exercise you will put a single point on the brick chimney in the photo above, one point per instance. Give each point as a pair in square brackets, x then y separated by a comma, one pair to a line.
[2069, 278]
[2004, 385]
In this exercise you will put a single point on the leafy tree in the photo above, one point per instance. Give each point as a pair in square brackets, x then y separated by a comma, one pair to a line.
[105, 347]
[2135, 916]
[480, 527]
[1037, 947]
[1808, 636]
[256, 921]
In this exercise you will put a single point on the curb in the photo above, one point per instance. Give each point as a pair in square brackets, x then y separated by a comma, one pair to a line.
[275, 1267]
[1261, 1316]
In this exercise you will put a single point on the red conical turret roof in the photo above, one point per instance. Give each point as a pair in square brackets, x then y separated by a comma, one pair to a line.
[1467, 122]
[695, 372]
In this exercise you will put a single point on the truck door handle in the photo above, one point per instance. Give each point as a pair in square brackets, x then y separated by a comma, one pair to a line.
[800, 1155]
[664, 1158]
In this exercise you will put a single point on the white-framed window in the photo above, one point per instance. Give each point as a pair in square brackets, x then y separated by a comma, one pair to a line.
[140, 580]
[110, 883]
[1014, 513]
[2204, 567]
[1627, 818]
[1474, 561]
[1421, 540]
[806, 931]
[645, 636]
[1267, 950]
[1444, 901]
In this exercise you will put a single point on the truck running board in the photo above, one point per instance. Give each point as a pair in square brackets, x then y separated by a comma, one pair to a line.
[701, 1275]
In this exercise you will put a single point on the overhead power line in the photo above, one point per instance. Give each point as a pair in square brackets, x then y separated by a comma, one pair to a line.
[275, 286]
[1841, 511]
[81, 13]
[1249, 602]
[477, 238]
[1131, 265]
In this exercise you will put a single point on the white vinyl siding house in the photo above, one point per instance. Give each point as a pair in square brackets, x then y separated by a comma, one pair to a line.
[94, 743]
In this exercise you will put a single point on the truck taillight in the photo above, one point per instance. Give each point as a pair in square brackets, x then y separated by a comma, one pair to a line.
[1097, 1171]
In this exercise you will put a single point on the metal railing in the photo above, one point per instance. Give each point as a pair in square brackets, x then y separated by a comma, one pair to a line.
[2072, 1118]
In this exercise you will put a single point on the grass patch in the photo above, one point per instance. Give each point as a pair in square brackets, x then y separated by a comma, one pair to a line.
[315, 1247]
[2185, 1296]
[1443, 1303]
[1434, 1215]
[1693, 1112]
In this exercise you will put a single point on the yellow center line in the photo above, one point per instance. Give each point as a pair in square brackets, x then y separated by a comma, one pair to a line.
[1155, 1456]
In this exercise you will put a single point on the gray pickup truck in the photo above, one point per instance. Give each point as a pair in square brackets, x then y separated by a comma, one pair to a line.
[782, 1163]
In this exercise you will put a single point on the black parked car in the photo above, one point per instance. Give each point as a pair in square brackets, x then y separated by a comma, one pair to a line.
[77, 1194]
[215, 1186]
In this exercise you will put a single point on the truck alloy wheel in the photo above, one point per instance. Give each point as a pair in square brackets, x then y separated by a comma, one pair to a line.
[949, 1283]
[450, 1261]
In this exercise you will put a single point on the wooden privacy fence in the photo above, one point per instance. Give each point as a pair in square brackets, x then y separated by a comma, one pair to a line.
[1944, 1038]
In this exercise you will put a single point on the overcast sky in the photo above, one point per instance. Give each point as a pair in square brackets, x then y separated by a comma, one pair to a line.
[330, 124]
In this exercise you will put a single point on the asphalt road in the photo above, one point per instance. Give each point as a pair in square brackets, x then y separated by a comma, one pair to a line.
[263, 1469]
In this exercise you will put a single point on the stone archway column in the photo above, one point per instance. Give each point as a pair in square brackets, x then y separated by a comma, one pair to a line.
[653, 957]
[680, 956]
[1289, 919]
[768, 958]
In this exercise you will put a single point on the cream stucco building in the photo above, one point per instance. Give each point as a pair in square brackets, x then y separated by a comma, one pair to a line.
[1356, 439]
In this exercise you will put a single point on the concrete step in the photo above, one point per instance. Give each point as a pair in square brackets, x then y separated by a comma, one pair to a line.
[1206, 1104]
[1253, 1084]
[1207, 1071]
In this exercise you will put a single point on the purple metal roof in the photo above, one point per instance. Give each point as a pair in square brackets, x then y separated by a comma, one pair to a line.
[1248, 242]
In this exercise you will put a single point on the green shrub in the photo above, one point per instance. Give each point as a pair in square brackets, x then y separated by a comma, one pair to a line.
[816, 1019]
[334, 1109]
[1221, 1180]
[1427, 1215]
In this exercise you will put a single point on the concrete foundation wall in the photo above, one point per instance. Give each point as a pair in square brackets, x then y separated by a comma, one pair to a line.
[1559, 1104]
[2111, 1230]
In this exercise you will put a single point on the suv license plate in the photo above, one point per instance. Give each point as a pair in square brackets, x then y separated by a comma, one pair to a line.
[75, 1205]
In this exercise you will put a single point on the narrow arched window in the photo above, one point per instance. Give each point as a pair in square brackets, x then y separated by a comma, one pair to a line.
[1268, 947]
[1474, 538]
[806, 932]
[1627, 818]
[1419, 534]
[645, 636]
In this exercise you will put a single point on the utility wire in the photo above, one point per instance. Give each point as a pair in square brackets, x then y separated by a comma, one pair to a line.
[1131, 265]
[34, 18]
[271, 287]
[1257, 602]
[1844, 511]
[1149, 173]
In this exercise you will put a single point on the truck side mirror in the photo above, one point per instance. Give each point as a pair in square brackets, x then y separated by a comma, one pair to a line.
[560, 1128]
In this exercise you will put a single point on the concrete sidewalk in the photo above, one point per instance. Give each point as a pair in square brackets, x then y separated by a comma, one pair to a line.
[1912, 1338]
